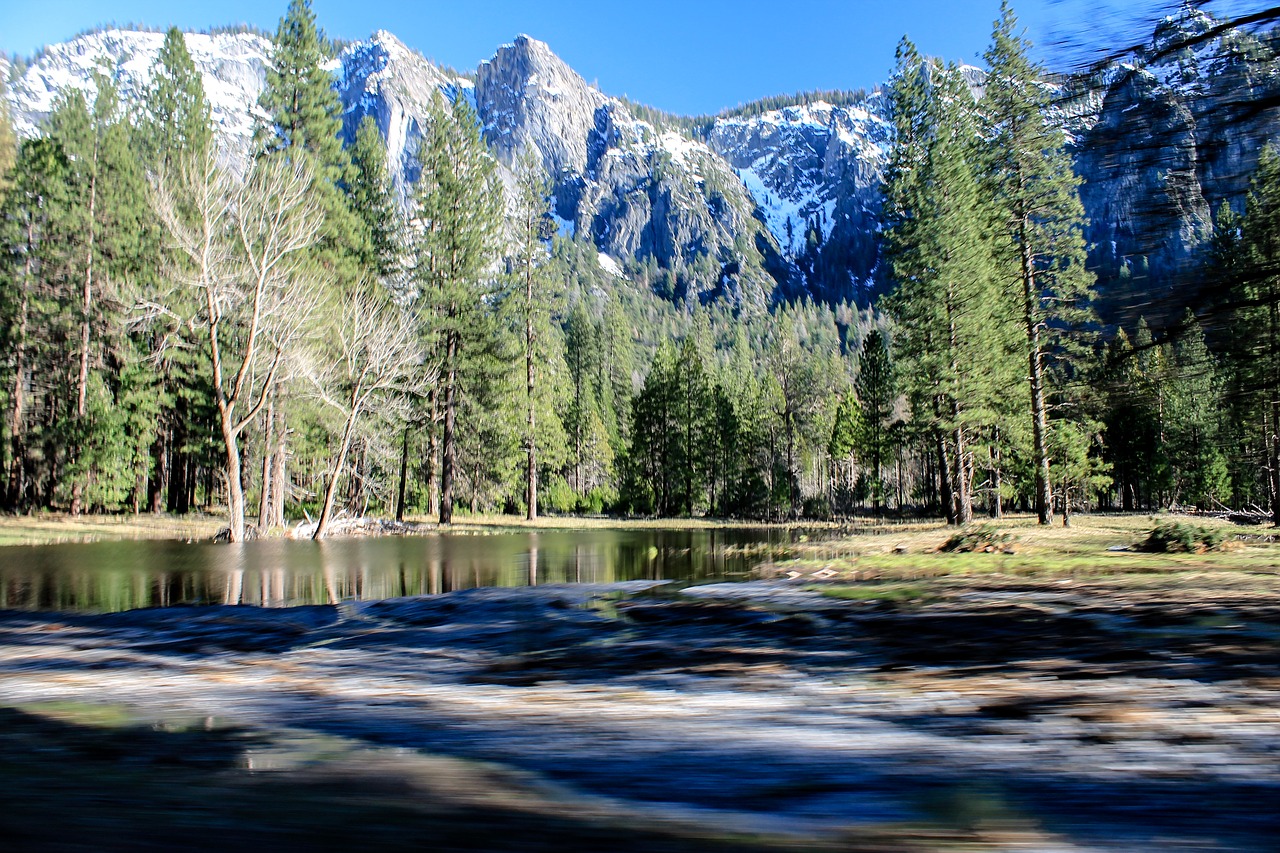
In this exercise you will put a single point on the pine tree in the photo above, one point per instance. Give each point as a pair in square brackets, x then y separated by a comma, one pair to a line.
[371, 196]
[305, 112]
[458, 209]
[177, 127]
[107, 218]
[178, 114]
[1039, 221]
[1194, 407]
[953, 341]
[1255, 298]
[34, 327]
[8, 143]
[530, 223]
[877, 393]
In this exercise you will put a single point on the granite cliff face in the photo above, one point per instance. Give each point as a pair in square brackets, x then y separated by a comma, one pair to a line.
[233, 67]
[641, 193]
[815, 171]
[395, 85]
[1176, 135]
[767, 204]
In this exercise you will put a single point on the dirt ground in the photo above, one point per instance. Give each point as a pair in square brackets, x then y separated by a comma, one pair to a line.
[985, 712]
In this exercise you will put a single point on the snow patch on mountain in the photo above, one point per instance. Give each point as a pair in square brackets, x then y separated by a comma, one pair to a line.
[232, 67]
[799, 162]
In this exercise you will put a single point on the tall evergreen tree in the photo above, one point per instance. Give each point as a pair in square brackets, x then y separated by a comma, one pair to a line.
[176, 128]
[952, 341]
[304, 110]
[1259, 293]
[107, 218]
[8, 143]
[458, 209]
[372, 198]
[1039, 221]
[530, 224]
[178, 114]
[35, 233]
[877, 393]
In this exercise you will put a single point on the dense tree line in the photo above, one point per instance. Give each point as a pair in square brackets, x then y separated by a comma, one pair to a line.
[289, 341]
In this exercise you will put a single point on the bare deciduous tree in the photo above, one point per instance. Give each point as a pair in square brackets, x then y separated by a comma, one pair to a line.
[240, 244]
[368, 360]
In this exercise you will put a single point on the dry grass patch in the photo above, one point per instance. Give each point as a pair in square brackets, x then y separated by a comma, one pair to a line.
[1092, 545]
[53, 528]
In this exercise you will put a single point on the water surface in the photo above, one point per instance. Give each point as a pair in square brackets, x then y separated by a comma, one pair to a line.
[114, 576]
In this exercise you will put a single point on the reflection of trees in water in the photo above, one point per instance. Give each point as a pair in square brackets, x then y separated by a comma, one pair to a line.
[124, 576]
[234, 593]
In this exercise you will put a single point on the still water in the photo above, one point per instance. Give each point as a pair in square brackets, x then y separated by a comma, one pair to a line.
[114, 576]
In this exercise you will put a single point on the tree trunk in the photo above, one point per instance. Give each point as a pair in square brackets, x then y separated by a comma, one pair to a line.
[997, 481]
[433, 447]
[961, 481]
[531, 485]
[1274, 450]
[235, 490]
[82, 383]
[17, 422]
[404, 475]
[1035, 365]
[163, 461]
[279, 480]
[268, 449]
[331, 487]
[944, 480]
[447, 449]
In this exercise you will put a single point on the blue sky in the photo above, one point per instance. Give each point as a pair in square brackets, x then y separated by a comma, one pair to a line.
[685, 56]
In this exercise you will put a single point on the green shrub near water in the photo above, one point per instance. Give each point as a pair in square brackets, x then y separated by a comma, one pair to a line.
[980, 537]
[1177, 537]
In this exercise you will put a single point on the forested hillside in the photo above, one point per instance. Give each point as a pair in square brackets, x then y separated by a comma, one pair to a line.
[459, 296]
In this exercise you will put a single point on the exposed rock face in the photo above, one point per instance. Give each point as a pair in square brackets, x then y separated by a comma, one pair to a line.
[640, 193]
[233, 67]
[383, 78]
[815, 170]
[780, 204]
[1175, 137]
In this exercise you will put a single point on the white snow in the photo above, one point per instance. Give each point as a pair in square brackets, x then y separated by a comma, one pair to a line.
[609, 265]
[232, 67]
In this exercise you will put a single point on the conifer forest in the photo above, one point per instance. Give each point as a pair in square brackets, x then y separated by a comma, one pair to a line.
[299, 338]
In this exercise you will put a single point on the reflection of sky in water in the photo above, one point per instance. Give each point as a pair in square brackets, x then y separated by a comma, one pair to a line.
[110, 576]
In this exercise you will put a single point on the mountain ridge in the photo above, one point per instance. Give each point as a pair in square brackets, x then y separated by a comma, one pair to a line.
[755, 204]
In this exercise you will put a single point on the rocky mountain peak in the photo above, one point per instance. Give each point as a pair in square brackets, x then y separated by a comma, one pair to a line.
[233, 67]
[531, 100]
[384, 78]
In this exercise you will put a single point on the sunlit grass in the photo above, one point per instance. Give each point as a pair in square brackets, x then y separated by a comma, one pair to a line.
[1093, 545]
[51, 528]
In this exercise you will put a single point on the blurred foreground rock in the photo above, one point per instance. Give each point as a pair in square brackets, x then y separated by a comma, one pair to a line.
[994, 713]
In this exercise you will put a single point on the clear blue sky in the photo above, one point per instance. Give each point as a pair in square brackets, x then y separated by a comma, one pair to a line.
[685, 56]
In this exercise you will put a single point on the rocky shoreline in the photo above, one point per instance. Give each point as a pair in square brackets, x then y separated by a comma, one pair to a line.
[995, 713]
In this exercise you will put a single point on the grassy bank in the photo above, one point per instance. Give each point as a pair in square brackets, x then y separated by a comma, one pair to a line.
[51, 528]
[1093, 545]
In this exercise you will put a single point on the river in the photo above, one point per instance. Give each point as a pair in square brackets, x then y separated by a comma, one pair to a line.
[116, 576]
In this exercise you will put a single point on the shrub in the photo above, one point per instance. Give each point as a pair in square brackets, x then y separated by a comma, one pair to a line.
[980, 537]
[817, 507]
[1177, 537]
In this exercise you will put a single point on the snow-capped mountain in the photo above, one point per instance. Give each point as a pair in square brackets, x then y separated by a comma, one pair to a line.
[782, 202]
[232, 65]
[384, 78]
[640, 192]
[1176, 134]
[815, 171]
